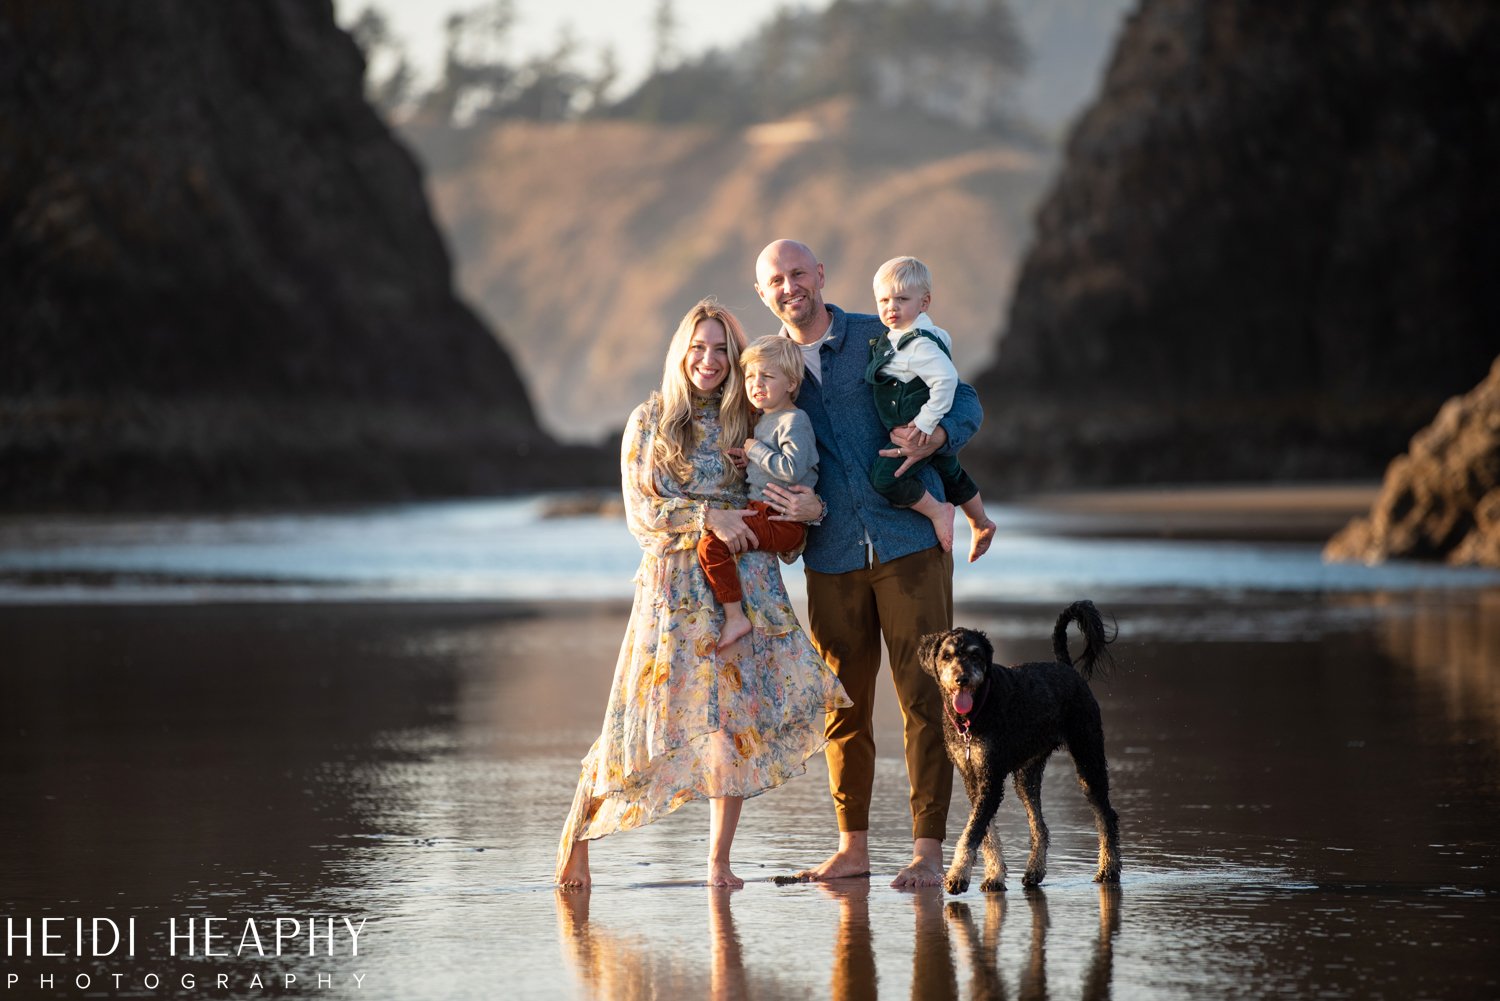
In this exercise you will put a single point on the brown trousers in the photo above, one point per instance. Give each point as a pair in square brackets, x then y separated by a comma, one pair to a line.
[902, 600]
[718, 562]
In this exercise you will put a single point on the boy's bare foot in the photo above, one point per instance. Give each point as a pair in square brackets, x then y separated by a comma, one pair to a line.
[719, 875]
[942, 523]
[984, 534]
[575, 875]
[734, 630]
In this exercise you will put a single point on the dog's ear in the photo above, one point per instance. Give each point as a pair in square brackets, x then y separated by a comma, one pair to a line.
[984, 641]
[927, 648]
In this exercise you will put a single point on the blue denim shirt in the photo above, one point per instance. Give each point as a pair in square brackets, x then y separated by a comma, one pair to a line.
[849, 434]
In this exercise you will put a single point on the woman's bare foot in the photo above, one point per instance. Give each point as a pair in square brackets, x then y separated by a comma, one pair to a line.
[984, 534]
[719, 875]
[736, 626]
[575, 875]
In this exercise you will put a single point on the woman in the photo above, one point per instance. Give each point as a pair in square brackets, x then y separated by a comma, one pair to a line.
[686, 720]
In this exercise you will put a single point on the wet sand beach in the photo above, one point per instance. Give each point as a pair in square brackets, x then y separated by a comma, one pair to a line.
[1307, 784]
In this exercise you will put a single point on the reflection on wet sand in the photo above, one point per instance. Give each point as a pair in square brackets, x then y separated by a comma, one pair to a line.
[1311, 786]
[1454, 648]
[854, 973]
[614, 966]
[935, 972]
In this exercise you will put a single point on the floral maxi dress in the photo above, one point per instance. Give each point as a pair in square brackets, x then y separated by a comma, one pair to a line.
[687, 721]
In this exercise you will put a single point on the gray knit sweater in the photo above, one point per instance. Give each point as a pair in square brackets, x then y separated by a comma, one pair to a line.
[785, 451]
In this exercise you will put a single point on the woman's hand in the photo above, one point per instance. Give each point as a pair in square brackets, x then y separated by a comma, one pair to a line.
[793, 503]
[905, 444]
[730, 528]
[737, 456]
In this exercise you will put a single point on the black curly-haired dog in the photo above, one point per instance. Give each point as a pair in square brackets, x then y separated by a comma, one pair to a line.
[999, 721]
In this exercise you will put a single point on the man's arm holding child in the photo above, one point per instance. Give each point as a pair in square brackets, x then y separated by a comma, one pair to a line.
[948, 437]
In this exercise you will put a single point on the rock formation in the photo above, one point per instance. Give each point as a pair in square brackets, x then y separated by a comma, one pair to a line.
[1441, 499]
[1269, 253]
[222, 282]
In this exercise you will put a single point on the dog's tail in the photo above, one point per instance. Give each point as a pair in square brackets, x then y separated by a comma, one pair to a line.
[1095, 652]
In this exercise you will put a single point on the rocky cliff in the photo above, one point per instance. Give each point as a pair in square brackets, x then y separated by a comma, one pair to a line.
[1441, 498]
[222, 283]
[585, 242]
[1269, 253]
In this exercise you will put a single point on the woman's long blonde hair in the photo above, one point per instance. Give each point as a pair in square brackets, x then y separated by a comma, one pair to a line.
[674, 440]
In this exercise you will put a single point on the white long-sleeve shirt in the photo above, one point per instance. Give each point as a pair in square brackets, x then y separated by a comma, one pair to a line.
[922, 359]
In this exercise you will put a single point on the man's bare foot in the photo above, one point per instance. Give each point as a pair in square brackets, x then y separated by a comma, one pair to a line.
[846, 863]
[984, 534]
[926, 868]
[735, 629]
[918, 874]
[575, 875]
[719, 875]
[942, 524]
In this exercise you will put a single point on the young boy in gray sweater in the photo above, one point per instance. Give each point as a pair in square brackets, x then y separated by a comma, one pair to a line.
[783, 451]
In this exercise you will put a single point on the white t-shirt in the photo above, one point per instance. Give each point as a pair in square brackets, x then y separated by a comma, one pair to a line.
[811, 354]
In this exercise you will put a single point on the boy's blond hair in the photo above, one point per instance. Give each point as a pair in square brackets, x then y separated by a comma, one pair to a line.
[776, 352]
[904, 274]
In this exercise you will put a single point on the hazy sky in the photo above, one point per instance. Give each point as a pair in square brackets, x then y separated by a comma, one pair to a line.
[624, 24]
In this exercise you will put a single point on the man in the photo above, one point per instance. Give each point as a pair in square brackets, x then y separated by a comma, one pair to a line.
[872, 569]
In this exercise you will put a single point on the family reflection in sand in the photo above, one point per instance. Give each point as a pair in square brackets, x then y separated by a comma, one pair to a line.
[953, 953]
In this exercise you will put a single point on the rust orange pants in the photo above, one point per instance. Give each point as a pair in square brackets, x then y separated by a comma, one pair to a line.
[718, 562]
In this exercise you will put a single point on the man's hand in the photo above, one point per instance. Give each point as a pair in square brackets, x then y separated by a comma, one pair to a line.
[905, 444]
[793, 503]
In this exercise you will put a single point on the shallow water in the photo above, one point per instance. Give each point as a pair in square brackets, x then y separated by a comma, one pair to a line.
[1308, 787]
[500, 550]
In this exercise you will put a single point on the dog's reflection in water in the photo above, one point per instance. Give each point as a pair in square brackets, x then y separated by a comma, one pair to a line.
[939, 970]
[981, 950]
[953, 954]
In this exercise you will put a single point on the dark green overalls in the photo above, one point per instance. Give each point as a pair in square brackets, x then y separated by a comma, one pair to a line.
[898, 403]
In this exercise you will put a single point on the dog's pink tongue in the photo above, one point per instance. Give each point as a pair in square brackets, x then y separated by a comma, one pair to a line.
[963, 702]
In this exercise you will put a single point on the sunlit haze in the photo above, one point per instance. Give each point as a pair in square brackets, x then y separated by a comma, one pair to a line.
[624, 25]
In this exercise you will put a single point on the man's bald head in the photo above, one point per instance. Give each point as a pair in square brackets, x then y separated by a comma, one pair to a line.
[782, 252]
[789, 280]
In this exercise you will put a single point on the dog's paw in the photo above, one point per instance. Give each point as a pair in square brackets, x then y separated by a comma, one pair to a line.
[955, 883]
[995, 884]
[1033, 877]
[1109, 874]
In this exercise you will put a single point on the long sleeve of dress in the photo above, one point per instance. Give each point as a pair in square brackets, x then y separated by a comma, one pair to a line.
[662, 519]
